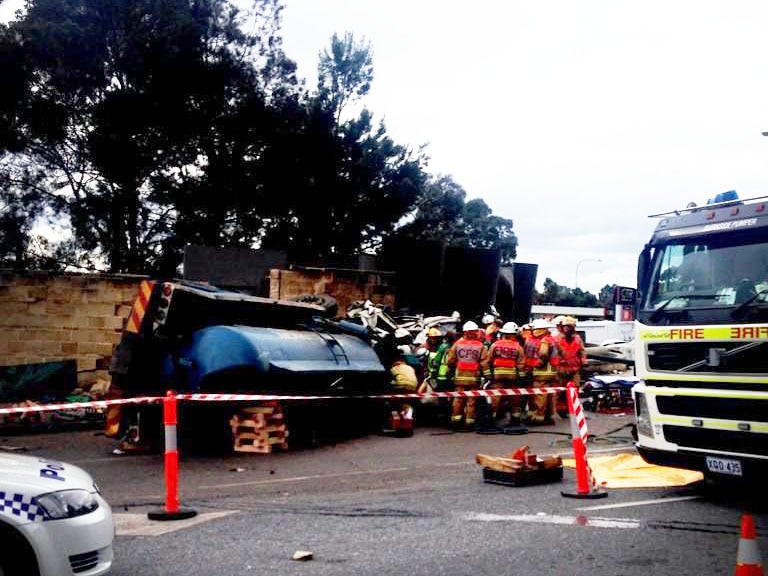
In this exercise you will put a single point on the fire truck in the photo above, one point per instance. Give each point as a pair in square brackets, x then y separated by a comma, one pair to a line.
[702, 340]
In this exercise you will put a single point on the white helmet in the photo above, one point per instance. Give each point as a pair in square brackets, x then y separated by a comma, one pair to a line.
[558, 320]
[510, 328]
[469, 326]
[541, 324]
[488, 319]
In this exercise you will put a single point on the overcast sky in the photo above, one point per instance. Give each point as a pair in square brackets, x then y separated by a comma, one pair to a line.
[576, 119]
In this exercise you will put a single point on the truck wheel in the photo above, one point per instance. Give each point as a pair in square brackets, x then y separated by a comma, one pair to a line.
[323, 300]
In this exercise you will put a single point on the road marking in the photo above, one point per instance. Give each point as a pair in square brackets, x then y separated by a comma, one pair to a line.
[140, 525]
[300, 478]
[640, 503]
[551, 519]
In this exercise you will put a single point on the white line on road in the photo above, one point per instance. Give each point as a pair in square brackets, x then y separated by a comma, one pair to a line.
[551, 519]
[640, 503]
[300, 478]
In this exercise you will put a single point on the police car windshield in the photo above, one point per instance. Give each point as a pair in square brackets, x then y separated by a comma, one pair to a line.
[696, 274]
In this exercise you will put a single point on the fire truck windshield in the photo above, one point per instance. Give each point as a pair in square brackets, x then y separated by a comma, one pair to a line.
[701, 273]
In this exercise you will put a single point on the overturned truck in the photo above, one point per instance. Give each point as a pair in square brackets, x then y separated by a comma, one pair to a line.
[193, 337]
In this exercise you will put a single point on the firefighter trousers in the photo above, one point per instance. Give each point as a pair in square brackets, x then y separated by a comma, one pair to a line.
[464, 408]
[541, 406]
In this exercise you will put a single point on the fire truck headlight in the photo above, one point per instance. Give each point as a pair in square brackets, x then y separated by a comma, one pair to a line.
[643, 416]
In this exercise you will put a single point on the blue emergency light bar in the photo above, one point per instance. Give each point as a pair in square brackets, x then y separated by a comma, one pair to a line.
[724, 197]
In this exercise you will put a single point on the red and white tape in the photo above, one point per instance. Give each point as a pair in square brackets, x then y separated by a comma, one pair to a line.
[397, 396]
[77, 405]
[272, 397]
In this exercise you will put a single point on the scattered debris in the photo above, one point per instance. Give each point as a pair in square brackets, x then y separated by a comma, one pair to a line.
[520, 468]
[302, 555]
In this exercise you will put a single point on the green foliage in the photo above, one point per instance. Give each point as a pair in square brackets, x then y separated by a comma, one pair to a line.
[443, 215]
[149, 125]
[559, 295]
[605, 297]
[345, 72]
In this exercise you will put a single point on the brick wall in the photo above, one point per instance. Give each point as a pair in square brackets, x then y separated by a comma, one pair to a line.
[46, 317]
[344, 285]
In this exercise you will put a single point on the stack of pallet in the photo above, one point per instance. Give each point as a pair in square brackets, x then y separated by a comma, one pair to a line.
[260, 429]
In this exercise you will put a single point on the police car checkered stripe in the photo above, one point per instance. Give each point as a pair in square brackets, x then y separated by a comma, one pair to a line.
[20, 505]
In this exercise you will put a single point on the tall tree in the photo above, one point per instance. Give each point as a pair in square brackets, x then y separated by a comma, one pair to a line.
[117, 94]
[443, 215]
[345, 72]
[348, 183]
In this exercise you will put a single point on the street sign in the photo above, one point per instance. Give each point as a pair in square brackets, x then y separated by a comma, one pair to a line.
[624, 296]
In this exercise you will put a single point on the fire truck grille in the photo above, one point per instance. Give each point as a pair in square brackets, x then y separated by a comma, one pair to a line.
[721, 440]
[724, 408]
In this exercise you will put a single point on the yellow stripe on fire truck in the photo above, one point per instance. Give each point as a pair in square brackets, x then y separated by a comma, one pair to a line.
[745, 332]
[140, 306]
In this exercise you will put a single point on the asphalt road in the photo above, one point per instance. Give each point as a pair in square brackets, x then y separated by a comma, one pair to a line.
[377, 505]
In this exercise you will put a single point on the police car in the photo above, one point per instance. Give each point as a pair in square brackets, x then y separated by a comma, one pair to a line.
[53, 520]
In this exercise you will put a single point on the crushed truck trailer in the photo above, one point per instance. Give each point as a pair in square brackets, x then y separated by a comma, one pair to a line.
[193, 337]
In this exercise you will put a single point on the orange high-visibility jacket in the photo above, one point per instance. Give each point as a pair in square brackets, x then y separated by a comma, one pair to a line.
[572, 353]
[466, 355]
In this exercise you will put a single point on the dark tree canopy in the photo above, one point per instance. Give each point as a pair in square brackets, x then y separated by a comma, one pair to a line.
[559, 295]
[148, 125]
[443, 215]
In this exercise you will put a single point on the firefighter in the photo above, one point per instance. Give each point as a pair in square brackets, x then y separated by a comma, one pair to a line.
[491, 324]
[502, 365]
[572, 353]
[435, 349]
[465, 357]
[541, 361]
[444, 371]
[404, 380]
[434, 345]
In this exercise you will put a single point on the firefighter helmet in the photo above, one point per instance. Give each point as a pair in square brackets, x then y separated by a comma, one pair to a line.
[541, 324]
[510, 328]
[470, 326]
[488, 319]
[569, 321]
[434, 333]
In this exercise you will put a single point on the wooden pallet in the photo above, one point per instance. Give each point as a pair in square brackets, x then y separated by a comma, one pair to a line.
[259, 429]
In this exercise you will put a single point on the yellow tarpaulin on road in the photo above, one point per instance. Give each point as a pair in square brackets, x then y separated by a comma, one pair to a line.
[631, 471]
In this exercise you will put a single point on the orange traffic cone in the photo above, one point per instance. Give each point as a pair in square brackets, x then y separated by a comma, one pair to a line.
[748, 562]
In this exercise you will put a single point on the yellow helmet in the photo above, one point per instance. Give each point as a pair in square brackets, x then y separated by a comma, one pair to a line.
[434, 333]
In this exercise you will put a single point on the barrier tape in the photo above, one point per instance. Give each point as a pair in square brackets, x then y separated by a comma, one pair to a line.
[77, 405]
[272, 397]
[394, 396]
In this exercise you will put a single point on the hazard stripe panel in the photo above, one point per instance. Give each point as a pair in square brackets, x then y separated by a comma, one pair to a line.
[140, 306]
